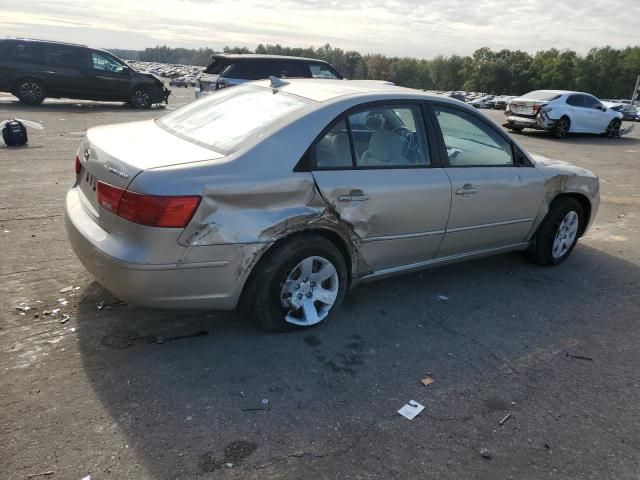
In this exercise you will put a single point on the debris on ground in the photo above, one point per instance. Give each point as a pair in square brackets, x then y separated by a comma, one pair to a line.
[578, 357]
[65, 318]
[426, 381]
[63, 301]
[55, 311]
[265, 401]
[411, 409]
[228, 465]
[41, 474]
[100, 305]
[485, 453]
[66, 289]
[505, 418]
[23, 308]
[443, 297]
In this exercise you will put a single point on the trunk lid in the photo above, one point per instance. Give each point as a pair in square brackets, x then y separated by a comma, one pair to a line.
[526, 106]
[116, 154]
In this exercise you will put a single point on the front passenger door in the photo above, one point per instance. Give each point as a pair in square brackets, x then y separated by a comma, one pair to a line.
[108, 78]
[493, 201]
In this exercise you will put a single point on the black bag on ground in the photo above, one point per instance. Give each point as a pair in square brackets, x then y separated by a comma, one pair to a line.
[14, 133]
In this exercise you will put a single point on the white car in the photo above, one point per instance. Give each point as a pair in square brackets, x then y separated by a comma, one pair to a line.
[562, 112]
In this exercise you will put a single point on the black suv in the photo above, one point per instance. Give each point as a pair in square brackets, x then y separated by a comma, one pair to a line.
[34, 69]
[227, 70]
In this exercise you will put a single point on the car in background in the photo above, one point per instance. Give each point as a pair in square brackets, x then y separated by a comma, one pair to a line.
[491, 103]
[500, 103]
[227, 70]
[179, 82]
[456, 96]
[629, 112]
[481, 102]
[33, 70]
[562, 112]
[277, 196]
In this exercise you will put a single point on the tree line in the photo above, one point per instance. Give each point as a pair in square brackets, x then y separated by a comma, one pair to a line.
[605, 72]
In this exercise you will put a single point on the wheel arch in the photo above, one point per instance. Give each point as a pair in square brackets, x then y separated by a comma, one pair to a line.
[22, 78]
[584, 202]
[337, 239]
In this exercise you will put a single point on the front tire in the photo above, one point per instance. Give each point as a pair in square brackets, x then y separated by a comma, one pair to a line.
[562, 127]
[558, 233]
[613, 130]
[516, 129]
[298, 284]
[141, 98]
[30, 92]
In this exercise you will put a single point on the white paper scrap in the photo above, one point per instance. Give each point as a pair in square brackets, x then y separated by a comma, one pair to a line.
[411, 409]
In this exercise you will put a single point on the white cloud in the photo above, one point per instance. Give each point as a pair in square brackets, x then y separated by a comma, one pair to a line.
[417, 28]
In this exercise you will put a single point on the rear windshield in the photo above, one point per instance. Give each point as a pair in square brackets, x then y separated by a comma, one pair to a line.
[224, 120]
[541, 95]
[217, 66]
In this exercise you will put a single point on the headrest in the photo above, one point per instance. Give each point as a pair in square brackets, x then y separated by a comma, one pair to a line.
[374, 122]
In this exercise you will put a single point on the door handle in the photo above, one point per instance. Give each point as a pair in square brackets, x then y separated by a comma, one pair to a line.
[467, 189]
[354, 196]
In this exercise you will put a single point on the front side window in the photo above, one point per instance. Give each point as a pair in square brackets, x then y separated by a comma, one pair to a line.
[105, 63]
[376, 137]
[591, 102]
[226, 119]
[318, 70]
[470, 141]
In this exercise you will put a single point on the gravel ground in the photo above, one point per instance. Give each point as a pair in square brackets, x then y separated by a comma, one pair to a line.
[131, 393]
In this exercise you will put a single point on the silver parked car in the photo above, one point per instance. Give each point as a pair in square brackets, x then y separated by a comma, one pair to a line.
[277, 197]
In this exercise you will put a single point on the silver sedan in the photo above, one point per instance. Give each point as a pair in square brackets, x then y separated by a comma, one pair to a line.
[276, 197]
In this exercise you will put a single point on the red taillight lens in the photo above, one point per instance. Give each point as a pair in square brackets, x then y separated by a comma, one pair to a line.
[78, 166]
[109, 196]
[151, 210]
[158, 211]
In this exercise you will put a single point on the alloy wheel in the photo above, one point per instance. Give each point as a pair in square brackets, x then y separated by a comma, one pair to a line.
[30, 91]
[140, 99]
[309, 291]
[563, 127]
[565, 234]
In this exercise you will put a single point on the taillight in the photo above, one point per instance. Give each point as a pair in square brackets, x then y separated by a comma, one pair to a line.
[78, 166]
[151, 210]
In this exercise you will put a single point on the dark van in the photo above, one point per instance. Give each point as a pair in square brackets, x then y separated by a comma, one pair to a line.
[35, 69]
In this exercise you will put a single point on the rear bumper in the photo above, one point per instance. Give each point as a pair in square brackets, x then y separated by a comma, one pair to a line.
[215, 284]
[539, 122]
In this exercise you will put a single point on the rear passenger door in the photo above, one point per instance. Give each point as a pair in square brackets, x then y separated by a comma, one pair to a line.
[64, 69]
[494, 198]
[389, 189]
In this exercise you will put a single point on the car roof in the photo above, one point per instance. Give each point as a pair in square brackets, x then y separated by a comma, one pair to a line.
[322, 90]
[256, 56]
[22, 39]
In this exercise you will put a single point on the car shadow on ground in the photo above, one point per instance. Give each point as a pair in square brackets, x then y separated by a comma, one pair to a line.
[70, 106]
[209, 394]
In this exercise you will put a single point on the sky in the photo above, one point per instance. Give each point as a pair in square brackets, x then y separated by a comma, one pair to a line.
[412, 28]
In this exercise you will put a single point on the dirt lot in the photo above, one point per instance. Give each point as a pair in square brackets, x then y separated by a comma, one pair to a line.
[131, 393]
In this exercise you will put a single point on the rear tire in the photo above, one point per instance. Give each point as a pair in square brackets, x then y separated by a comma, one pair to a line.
[558, 233]
[516, 129]
[30, 91]
[280, 284]
[141, 98]
[562, 127]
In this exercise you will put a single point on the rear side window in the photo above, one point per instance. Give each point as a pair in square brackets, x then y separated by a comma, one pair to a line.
[66, 56]
[293, 69]
[226, 119]
[470, 142]
[23, 52]
[575, 101]
[248, 70]
[320, 70]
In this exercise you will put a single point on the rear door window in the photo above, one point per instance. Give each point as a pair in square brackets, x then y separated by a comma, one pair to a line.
[575, 101]
[66, 56]
[320, 70]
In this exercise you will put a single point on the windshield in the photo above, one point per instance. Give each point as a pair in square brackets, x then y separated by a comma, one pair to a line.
[541, 95]
[224, 120]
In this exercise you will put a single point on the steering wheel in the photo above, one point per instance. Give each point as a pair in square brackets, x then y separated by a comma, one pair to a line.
[407, 138]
